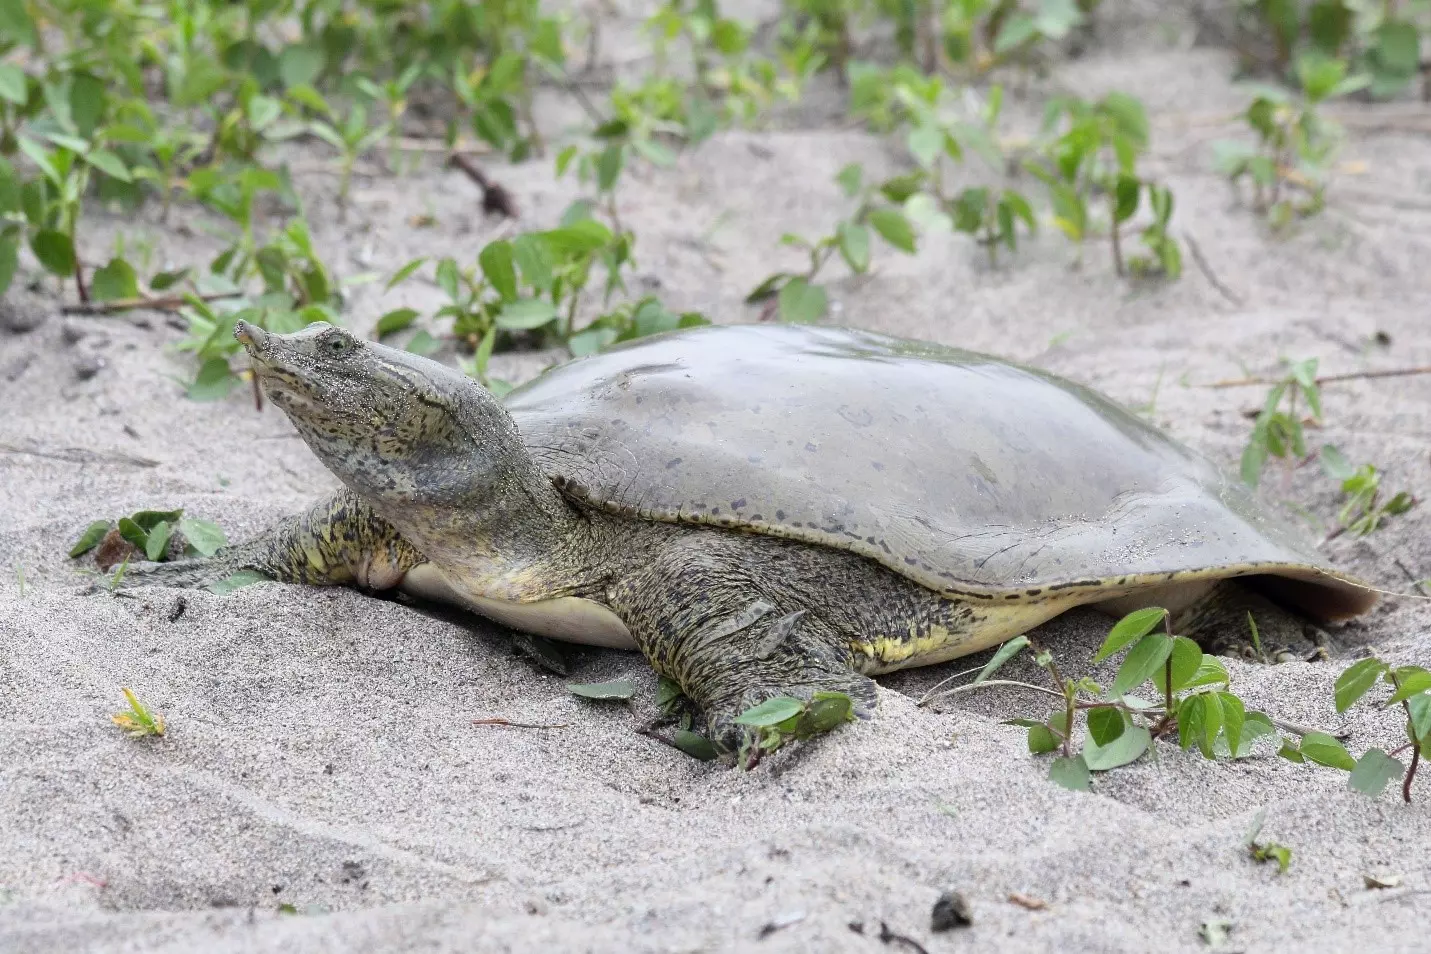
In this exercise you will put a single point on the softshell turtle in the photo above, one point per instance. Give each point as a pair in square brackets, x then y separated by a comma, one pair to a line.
[766, 510]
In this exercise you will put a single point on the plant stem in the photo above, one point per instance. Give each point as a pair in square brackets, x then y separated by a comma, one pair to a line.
[163, 303]
[1326, 378]
[1113, 233]
[1410, 774]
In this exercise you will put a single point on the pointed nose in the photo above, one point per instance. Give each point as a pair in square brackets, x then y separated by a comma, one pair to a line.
[252, 337]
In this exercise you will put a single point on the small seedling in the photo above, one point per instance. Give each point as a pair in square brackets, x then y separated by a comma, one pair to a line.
[619, 690]
[1364, 509]
[1264, 851]
[1279, 430]
[149, 532]
[138, 722]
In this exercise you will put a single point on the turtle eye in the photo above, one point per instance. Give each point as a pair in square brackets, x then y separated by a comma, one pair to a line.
[337, 345]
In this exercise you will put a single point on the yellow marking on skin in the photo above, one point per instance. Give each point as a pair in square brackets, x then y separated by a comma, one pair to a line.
[990, 626]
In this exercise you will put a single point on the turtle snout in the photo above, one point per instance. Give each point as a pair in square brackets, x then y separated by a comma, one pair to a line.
[252, 337]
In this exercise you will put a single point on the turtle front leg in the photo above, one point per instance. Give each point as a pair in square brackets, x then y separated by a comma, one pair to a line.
[339, 541]
[1219, 623]
[716, 613]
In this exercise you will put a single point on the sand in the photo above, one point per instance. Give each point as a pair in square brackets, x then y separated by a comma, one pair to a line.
[320, 751]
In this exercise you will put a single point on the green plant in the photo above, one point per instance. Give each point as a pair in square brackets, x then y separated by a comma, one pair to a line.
[1289, 163]
[1364, 509]
[1264, 851]
[1279, 429]
[797, 296]
[1370, 774]
[151, 533]
[138, 722]
[779, 720]
[1096, 155]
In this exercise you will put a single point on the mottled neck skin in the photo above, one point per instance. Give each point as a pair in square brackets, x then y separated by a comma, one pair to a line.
[433, 452]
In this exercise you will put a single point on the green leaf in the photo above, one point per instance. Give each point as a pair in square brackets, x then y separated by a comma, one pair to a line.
[1325, 750]
[1141, 663]
[1412, 680]
[1042, 739]
[167, 280]
[894, 228]
[609, 165]
[1420, 712]
[771, 712]
[396, 320]
[579, 238]
[825, 711]
[1356, 680]
[108, 163]
[1186, 660]
[617, 689]
[1128, 746]
[133, 533]
[1373, 771]
[1234, 716]
[1006, 652]
[9, 259]
[1126, 198]
[423, 343]
[1290, 752]
[12, 84]
[499, 267]
[300, 64]
[157, 541]
[854, 245]
[114, 281]
[404, 273]
[849, 179]
[1213, 719]
[1335, 463]
[695, 745]
[525, 314]
[1071, 773]
[926, 143]
[147, 520]
[1134, 626]
[801, 302]
[90, 538]
[1106, 724]
[55, 251]
[1017, 30]
[213, 382]
[237, 581]
[203, 536]
[1210, 672]
[1398, 48]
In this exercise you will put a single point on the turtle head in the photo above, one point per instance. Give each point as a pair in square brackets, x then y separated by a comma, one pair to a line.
[397, 428]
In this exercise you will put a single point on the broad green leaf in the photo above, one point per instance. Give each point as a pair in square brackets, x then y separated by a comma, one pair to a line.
[1006, 652]
[771, 712]
[1041, 739]
[525, 314]
[133, 533]
[609, 165]
[1213, 720]
[1071, 773]
[90, 538]
[826, 711]
[423, 343]
[204, 536]
[12, 84]
[1125, 203]
[1373, 771]
[237, 581]
[693, 744]
[114, 281]
[801, 302]
[213, 382]
[894, 228]
[157, 541]
[9, 258]
[1142, 662]
[1325, 750]
[300, 64]
[396, 320]
[1354, 682]
[579, 238]
[926, 143]
[109, 163]
[1017, 29]
[849, 179]
[1186, 661]
[1127, 747]
[1413, 680]
[1234, 716]
[1335, 463]
[55, 251]
[499, 268]
[149, 519]
[1420, 709]
[1210, 672]
[1130, 628]
[1290, 752]
[617, 689]
[854, 245]
[1105, 725]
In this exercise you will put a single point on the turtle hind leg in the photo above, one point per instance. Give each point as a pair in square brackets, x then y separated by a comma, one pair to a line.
[1219, 622]
[715, 613]
[339, 541]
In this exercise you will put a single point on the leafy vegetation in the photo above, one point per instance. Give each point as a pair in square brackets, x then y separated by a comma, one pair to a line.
[138, 721]
[155, 535]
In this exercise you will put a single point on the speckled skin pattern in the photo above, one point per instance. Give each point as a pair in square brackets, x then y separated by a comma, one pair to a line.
[435, 472]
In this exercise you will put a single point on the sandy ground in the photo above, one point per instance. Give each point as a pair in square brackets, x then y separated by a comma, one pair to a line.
[321, 752]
